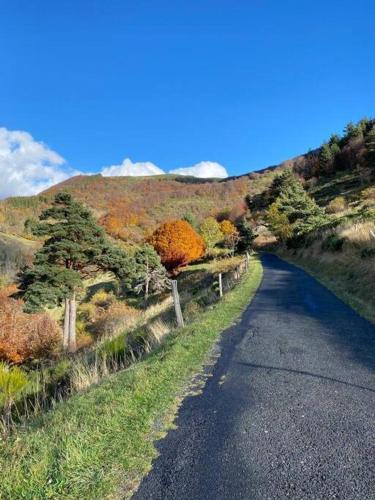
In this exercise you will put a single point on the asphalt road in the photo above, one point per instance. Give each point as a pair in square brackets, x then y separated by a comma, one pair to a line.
[289, 408]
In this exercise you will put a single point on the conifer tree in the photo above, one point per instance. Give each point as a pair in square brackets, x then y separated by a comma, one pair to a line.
[246, 235]
[295, 210]
[326, 158]
[370, 148]
[75, 248]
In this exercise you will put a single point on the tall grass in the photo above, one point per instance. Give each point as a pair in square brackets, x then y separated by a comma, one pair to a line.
[133, 336]
[99, 443]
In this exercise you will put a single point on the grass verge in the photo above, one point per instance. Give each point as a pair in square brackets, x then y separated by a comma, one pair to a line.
[99, 444]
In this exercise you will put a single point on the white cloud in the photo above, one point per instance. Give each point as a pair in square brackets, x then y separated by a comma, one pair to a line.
[27, 166]
[127, 167]
[203, 169]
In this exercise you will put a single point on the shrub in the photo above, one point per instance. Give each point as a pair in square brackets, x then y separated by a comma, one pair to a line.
[336, 205]
[333, 243]
[227, 227]
[103, 299]
[191, 310]
[26, 336]
[177, 244]
[117, 318]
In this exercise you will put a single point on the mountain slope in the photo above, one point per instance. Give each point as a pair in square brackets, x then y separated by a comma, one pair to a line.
[139, 203]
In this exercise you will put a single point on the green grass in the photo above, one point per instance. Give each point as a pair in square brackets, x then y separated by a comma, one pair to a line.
[99, 444]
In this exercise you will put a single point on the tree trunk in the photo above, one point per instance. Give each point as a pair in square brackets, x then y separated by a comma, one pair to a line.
[147, 282]
[177, 305]
[72, 345]
[66, 325]
[147, 289]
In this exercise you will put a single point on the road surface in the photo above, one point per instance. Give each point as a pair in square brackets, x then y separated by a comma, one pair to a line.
[289, 411]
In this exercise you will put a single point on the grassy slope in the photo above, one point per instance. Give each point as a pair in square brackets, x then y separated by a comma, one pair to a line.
[98, 444]
[345, 273]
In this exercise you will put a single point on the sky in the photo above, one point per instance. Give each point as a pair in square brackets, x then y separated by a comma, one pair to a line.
[212, 87]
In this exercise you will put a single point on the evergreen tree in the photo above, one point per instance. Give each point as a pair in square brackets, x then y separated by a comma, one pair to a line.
[75, 248]
[246, 235]
[302, 213]
[279, 183]
[370, 148]
[334, 139]
[151, 275]
[352, 130]
[326, 158]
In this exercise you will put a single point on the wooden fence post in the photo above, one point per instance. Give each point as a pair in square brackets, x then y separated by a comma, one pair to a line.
[220, 285]
[177, 305]
[247, 261]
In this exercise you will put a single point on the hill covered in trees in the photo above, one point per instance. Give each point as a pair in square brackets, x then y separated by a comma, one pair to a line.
[130, 208]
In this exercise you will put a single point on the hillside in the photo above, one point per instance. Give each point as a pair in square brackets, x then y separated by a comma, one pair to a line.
[131, 207]
[138, 204]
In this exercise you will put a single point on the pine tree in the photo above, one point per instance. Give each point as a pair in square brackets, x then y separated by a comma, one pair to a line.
[75, 248]
[246, 235]
[302, 213]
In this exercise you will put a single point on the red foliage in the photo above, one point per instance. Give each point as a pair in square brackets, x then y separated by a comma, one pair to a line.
[25, 336]
[177, 244]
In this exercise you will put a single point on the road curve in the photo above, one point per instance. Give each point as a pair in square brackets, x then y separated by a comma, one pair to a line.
[289, 411]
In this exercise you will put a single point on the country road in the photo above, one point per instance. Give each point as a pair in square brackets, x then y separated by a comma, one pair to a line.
[289, 408]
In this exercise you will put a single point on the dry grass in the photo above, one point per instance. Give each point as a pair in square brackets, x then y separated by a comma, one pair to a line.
[359, 234]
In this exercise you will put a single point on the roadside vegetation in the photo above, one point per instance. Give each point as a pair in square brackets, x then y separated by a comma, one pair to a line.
[90, 353]
[99, 443]
[324, 218]
[86, 306]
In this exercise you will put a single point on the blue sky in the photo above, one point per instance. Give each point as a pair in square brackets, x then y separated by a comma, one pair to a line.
[243, 83]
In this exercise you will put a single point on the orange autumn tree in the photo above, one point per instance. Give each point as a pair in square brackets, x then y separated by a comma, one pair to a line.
[177, 244]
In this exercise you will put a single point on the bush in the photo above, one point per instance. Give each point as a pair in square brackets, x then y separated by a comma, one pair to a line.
[102, 298]
[25, 337]
[191, 310]
[117, 318]
[333, 243]
[336, 205]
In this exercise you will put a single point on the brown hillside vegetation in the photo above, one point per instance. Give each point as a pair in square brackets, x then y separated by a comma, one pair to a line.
[132, 207]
